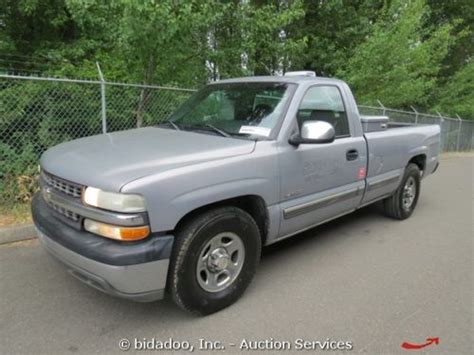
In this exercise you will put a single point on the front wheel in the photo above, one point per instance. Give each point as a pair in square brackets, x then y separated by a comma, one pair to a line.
[214, 259]
[403, 202]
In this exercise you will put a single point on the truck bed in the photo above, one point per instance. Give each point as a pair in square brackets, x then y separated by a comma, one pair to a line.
[391, 150]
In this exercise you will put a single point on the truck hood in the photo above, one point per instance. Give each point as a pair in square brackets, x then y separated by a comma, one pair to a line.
[108, 161]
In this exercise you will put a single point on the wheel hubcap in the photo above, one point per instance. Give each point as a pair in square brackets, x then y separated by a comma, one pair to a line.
[409, 193]
[220, 262]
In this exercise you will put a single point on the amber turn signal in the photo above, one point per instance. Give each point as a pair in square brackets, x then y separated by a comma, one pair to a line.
[116, 232]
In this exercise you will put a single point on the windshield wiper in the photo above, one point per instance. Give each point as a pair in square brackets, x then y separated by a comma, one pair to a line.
[238, 134]
[207, 127]
[171, 123]
[220, 131]
[175, 126]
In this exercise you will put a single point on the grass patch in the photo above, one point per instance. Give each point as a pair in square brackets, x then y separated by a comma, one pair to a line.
[18, 213]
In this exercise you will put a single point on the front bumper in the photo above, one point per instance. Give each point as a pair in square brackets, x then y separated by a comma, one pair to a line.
[135, 271]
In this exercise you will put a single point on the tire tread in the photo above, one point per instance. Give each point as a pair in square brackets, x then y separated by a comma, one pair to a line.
[391, 205]
[184, 238]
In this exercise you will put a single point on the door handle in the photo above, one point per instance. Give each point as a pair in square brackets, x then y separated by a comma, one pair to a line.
[352, 154]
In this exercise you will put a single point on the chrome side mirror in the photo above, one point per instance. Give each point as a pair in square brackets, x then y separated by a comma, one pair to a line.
[314, 132]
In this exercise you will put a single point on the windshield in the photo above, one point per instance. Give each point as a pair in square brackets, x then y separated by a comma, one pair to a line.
[237, 109]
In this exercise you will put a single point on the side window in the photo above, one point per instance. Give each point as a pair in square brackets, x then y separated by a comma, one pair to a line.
[324, 103]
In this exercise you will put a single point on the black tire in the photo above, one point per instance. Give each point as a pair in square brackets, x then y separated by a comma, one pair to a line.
[190, 240]
[393, 205]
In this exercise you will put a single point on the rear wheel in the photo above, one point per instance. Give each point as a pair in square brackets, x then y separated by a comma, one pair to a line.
[403, 202]
[214, 259]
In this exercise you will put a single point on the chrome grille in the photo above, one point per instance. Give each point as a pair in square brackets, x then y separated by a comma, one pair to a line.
[64, 186]
[64, 212]
[51, 184]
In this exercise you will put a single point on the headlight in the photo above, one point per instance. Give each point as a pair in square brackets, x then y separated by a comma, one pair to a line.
[113, 201]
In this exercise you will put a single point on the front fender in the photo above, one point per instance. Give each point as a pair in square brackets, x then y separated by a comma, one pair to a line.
[191, 200]
[173, 194]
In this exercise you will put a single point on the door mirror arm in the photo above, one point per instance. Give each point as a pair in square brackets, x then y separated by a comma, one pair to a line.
[296, 140]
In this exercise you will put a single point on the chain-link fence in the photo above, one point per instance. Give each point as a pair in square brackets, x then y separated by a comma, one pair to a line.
[457, 135]
[37, 113]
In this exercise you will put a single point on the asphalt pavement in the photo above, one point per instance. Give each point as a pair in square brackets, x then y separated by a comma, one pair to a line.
[365, 280]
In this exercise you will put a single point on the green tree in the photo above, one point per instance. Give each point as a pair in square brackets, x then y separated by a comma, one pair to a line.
[460, 13]
[400, 61]
[253, 38]
[457, 96]
[334, 29]
[271, 47]
[162, 42]
[58, 37]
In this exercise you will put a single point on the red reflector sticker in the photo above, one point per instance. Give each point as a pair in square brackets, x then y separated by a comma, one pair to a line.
[361, 173]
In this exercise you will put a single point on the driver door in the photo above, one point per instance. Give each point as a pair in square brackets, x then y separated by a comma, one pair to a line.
[321, 181]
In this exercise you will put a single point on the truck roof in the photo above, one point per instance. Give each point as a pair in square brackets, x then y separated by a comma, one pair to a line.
[280, 79]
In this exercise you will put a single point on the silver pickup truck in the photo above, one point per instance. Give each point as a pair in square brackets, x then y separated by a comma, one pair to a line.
[185, 207]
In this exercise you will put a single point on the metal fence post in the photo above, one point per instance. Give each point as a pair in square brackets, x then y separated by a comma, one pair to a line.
[102, 99]
[443, 132]
[416, 114]
[470, 125]
[459, 133]
[471, 140]
[382, 106]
